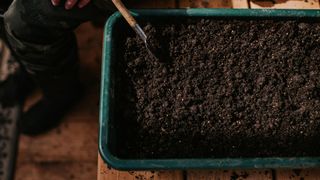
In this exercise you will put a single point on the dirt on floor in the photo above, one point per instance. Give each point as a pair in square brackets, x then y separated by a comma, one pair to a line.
[220, 88]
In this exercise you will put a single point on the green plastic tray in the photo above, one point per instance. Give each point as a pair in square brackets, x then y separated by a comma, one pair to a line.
[106, 108]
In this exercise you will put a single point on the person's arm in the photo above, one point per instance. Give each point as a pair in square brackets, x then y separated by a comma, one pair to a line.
[69, 4]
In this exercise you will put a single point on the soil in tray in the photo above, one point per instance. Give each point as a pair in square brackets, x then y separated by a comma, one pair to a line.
[227, 88]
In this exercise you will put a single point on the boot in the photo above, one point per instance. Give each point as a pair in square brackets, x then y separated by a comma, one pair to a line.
[61, 90]
[49, 111]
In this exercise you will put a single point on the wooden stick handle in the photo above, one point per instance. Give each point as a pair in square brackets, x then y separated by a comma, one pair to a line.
[125, 12]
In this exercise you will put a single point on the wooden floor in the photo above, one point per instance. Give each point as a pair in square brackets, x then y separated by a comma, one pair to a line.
[70, 151]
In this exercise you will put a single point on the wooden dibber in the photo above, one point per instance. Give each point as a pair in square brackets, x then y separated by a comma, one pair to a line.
[133, 23]
[129, 18]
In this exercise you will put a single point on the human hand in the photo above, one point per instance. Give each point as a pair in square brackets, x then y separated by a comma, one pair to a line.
[71, 3]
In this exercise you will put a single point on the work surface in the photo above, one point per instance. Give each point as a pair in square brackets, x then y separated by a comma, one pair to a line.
[105, 173]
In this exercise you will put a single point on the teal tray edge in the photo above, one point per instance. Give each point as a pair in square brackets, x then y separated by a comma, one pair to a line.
[173, 164]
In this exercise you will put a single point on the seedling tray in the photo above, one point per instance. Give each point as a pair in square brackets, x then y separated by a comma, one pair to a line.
[107, 128]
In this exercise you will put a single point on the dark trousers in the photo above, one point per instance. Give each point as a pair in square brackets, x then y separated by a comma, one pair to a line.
[41, 38]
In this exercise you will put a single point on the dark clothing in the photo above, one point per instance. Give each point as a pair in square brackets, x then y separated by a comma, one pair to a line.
[4, 4]
[41, 37]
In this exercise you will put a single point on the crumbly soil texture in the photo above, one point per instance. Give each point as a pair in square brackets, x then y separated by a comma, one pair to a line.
[219, 88]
